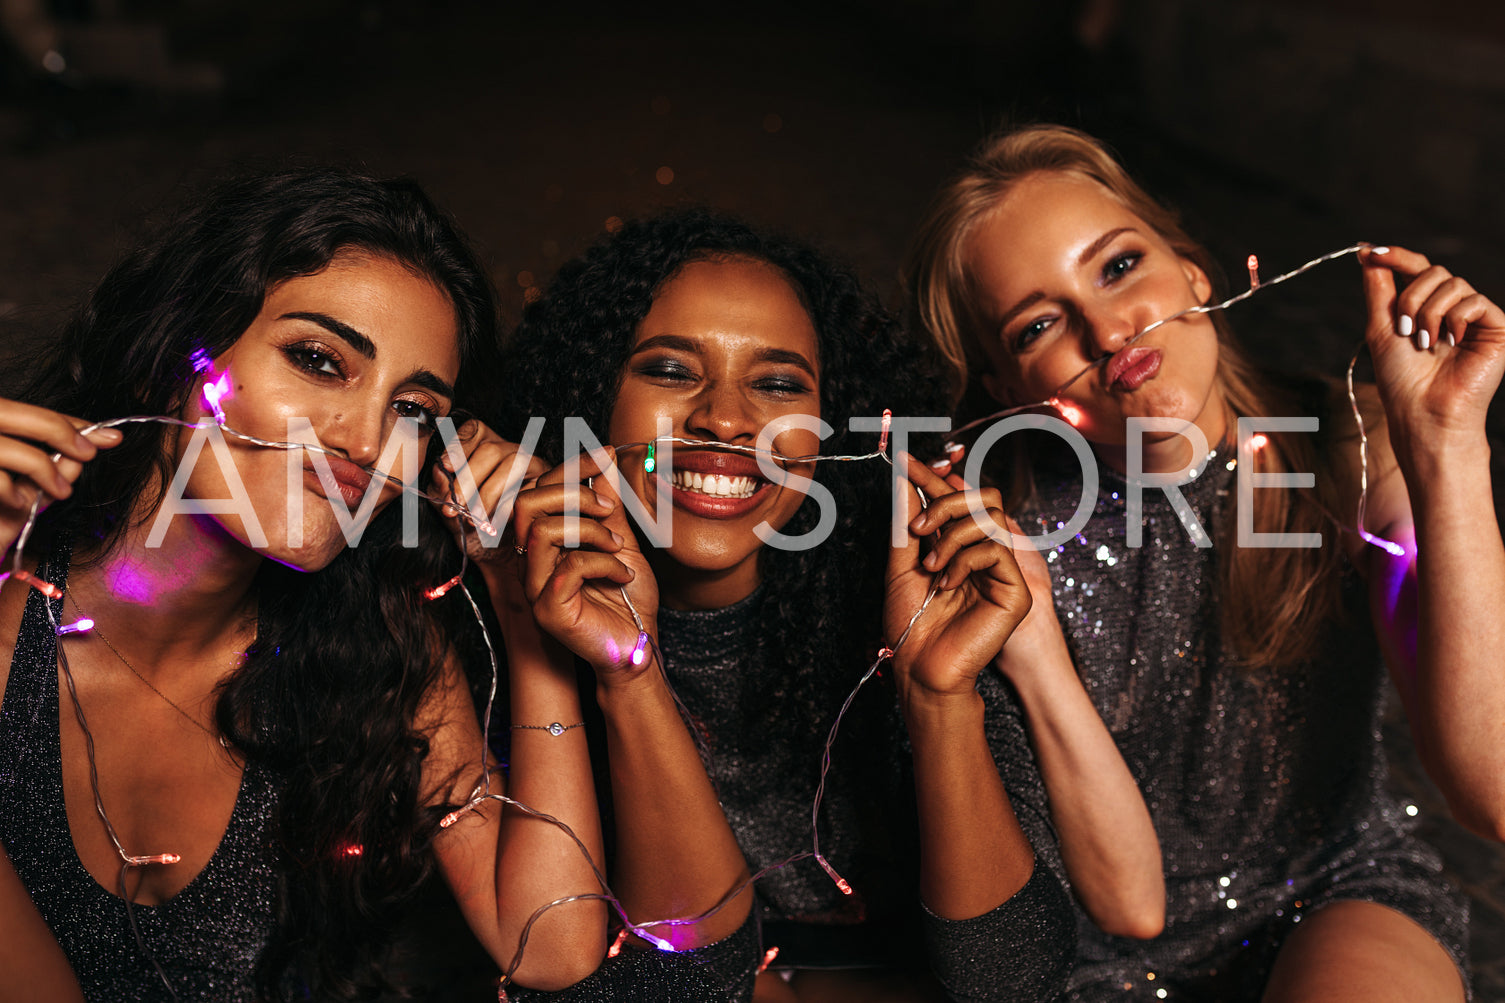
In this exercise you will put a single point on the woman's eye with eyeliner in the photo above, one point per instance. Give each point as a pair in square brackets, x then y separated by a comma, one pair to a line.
[412, 409]
[666, 370]
[1119, 266]
[314, 361]
[781, 385]
[1030, 332]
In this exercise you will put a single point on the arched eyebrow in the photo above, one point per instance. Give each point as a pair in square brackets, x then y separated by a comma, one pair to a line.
[1095, 248]
[338, 328]
[785, 357]
[366, 347]
[1091, 251]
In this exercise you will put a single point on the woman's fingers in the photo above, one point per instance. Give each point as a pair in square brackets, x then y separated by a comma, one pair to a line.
[1473, 311]
[59, 433]
[21, 461]
[1420, 306]
[564, 586]
[542, 502]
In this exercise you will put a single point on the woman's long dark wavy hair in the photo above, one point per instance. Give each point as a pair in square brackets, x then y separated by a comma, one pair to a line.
[822, 606]
[327, 695]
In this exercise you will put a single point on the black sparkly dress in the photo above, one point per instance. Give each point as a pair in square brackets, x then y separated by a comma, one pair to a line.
[763, 734]
[207, 938]
[764, 731]
[1268, 788]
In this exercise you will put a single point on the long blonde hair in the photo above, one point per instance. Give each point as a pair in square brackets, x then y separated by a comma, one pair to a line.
[1278, 629]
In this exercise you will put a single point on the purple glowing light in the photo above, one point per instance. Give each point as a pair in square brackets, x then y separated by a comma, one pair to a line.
[76, 627]
[217, 391]
[640, 650]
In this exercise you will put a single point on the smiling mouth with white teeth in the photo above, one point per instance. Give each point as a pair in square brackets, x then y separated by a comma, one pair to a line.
[715, 485]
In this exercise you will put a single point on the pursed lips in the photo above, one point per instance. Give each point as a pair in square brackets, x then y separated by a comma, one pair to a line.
[1130, 367]
[351, 479]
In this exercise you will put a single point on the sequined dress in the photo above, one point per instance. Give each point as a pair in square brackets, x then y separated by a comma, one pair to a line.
[207, 938]
[1268, 788]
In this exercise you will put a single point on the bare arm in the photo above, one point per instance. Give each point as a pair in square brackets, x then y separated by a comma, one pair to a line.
[503, 864]
[973, 854]
[676, 856]
[1107, 838]
[1438, 608]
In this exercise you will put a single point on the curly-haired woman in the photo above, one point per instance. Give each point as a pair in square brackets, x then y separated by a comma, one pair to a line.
[767, 578]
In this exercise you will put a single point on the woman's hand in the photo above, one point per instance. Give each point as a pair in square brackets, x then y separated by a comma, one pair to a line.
[29, 437]
[576, 591]
[981, 597]
[1438, 348]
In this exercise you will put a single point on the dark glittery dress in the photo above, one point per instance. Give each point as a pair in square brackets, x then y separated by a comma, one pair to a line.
[764, 733]
[207, 938]
[1268, 788]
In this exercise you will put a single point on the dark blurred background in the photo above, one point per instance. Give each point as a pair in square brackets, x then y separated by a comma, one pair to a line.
[1283, 128]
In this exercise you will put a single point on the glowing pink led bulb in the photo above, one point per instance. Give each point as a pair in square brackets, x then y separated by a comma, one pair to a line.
[640, 650]
[1069, 411]
[47, 589]
[1253, 264]
[768, 956]
[888, 423]
[1258, 441]
[76, 627]
[841, 882]
[616, 945]
[216, 391]
[438, 591]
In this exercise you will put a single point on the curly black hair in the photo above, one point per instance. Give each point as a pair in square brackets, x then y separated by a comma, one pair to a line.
[569, 353]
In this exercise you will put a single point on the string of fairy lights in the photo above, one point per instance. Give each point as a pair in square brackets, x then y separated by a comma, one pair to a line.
[216, 390]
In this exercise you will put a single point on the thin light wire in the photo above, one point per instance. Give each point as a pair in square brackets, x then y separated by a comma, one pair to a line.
[1189, 311]
[127, 860]
[18, 572]
[482, 791]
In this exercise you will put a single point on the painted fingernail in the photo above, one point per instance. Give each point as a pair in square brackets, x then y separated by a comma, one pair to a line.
[955, 447]
[1379, 250]
[1404, 327]
[1452, 342]
[1423, 340]
[940, 466]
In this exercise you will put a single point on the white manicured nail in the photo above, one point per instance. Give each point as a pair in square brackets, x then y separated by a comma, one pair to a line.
[940, 465]
[1423, 340]
[1404, 327]
[1452, 342]
[1379, 250]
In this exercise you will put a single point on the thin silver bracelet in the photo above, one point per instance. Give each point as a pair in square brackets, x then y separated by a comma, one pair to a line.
[553, 729]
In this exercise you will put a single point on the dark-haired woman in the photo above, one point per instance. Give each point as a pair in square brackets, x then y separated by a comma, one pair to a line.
[271, 714]
[695, 327]
[1236, 663]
